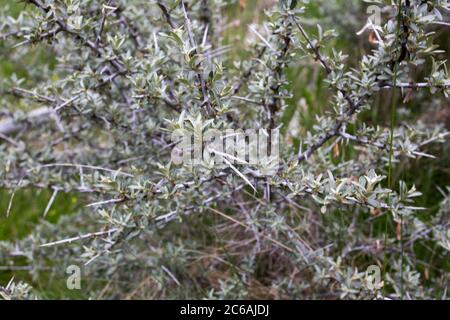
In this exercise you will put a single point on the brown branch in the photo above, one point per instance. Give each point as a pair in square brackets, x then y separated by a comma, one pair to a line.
[102, 25]
[166, 14]
[187, 23]
[339, 123]
[116, 64]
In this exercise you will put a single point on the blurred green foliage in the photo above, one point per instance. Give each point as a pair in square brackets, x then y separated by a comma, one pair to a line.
[28, 206]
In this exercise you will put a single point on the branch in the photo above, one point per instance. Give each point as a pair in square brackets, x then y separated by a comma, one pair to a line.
[379, 145]
[115, 63]
[412, 85]
[84, 236]
[38, 116]
[246, 75]
[187, 23]
[102, 24]
[354, 106]
[166, 14]
[45, 35]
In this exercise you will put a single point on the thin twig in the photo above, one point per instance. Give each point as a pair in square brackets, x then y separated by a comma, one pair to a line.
[166, 14]
[74, 165]
[102, 24]
[187, 23]
[84, 236]
[50, 202]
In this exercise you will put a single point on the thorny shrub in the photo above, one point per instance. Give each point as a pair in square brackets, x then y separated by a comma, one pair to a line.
[96, 120]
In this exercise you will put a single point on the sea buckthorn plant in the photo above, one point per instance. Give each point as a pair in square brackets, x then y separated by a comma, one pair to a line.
[357, 89]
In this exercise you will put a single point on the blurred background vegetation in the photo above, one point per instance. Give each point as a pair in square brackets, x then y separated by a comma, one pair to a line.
[310, 98]
[30, 204]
